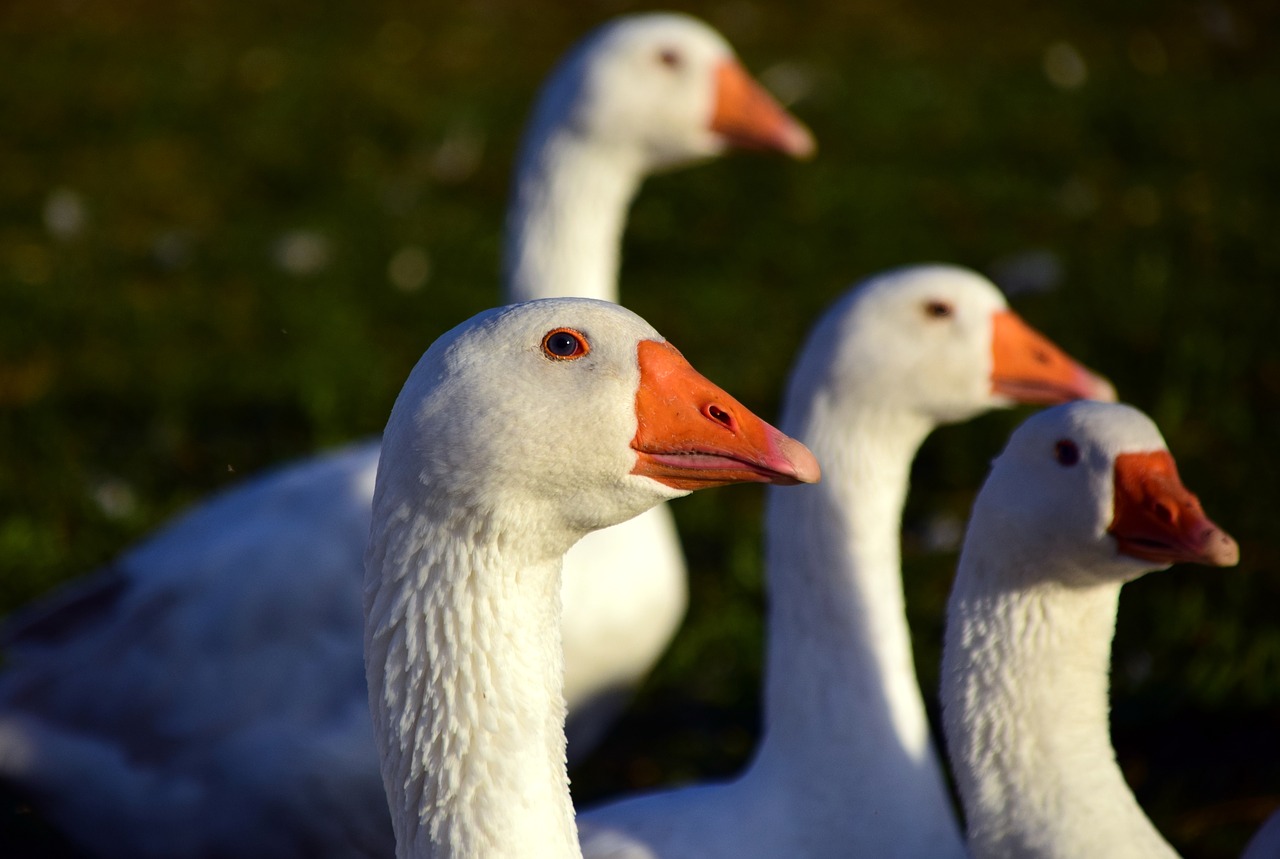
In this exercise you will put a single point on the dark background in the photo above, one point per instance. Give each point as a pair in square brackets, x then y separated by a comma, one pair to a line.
[228, 230]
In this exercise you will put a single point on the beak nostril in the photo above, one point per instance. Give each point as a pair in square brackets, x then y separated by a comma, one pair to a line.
[719, 415]
[1041, 356]
[1165, 513]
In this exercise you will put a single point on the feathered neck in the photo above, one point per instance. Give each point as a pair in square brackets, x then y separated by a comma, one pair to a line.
[842, 703]
[1024, 687]
[567, 211]
[465, 671]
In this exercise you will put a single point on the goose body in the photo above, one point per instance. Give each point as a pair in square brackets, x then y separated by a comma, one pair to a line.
[1265, 843]
[204, 694]
[846, 765]
[1084, 498]
[517, 433]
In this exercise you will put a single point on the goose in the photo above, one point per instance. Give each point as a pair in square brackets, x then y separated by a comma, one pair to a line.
[643, 94]
[517, 433]
[1084, 498]
[845, 766]
[205, 693]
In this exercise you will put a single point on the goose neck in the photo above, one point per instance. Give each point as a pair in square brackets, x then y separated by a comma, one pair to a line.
[1025, 709]
[838, 640]
[465, 671]
[842, 703]
[567, 212]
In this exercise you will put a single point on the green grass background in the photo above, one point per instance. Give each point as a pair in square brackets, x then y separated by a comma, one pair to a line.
[153, 349]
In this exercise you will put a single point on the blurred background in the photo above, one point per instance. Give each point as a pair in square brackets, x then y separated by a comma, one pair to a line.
[228, 230]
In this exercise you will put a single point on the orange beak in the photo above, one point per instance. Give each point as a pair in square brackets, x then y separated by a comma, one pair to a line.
[692, 435]
[748, 117]
[1157, 519]
[1028, 368]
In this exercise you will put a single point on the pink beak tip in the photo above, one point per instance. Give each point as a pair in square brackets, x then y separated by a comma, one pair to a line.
[802, 464]
[798, 141]
[1103, 390]
[1224, 551]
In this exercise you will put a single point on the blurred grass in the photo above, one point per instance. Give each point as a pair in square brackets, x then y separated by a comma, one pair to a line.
[205, 210]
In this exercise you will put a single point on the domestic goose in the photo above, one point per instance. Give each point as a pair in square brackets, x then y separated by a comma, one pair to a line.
[205, 694]
[517, 433]
[846, 766]
[642, 94]
[1084, 498]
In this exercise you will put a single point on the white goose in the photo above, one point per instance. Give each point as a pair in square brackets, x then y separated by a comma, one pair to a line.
[518, 432]
[846, 766]
[1084, 498]
[205, 695]
[641, 94]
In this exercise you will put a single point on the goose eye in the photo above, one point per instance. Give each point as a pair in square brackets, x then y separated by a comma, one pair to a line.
[670, 58]
[938, 310]
[565, 344]
[1066, 452]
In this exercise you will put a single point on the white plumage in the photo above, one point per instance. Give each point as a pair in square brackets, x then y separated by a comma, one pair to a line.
[1084, 498]
[204, 696]
[497, 457]
[846, 765]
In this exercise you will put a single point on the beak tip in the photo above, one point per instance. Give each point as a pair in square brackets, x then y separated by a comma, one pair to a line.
[804, 465]
[799, 142]
[1225, 551]
[1104, 391]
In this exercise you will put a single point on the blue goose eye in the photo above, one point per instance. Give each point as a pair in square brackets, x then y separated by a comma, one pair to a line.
[1066, 452]
[565, 344]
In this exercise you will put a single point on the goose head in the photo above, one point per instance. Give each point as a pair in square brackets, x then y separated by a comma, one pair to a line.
[938, 342]
[668, 89]
[1093, 486]
[571, 415]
